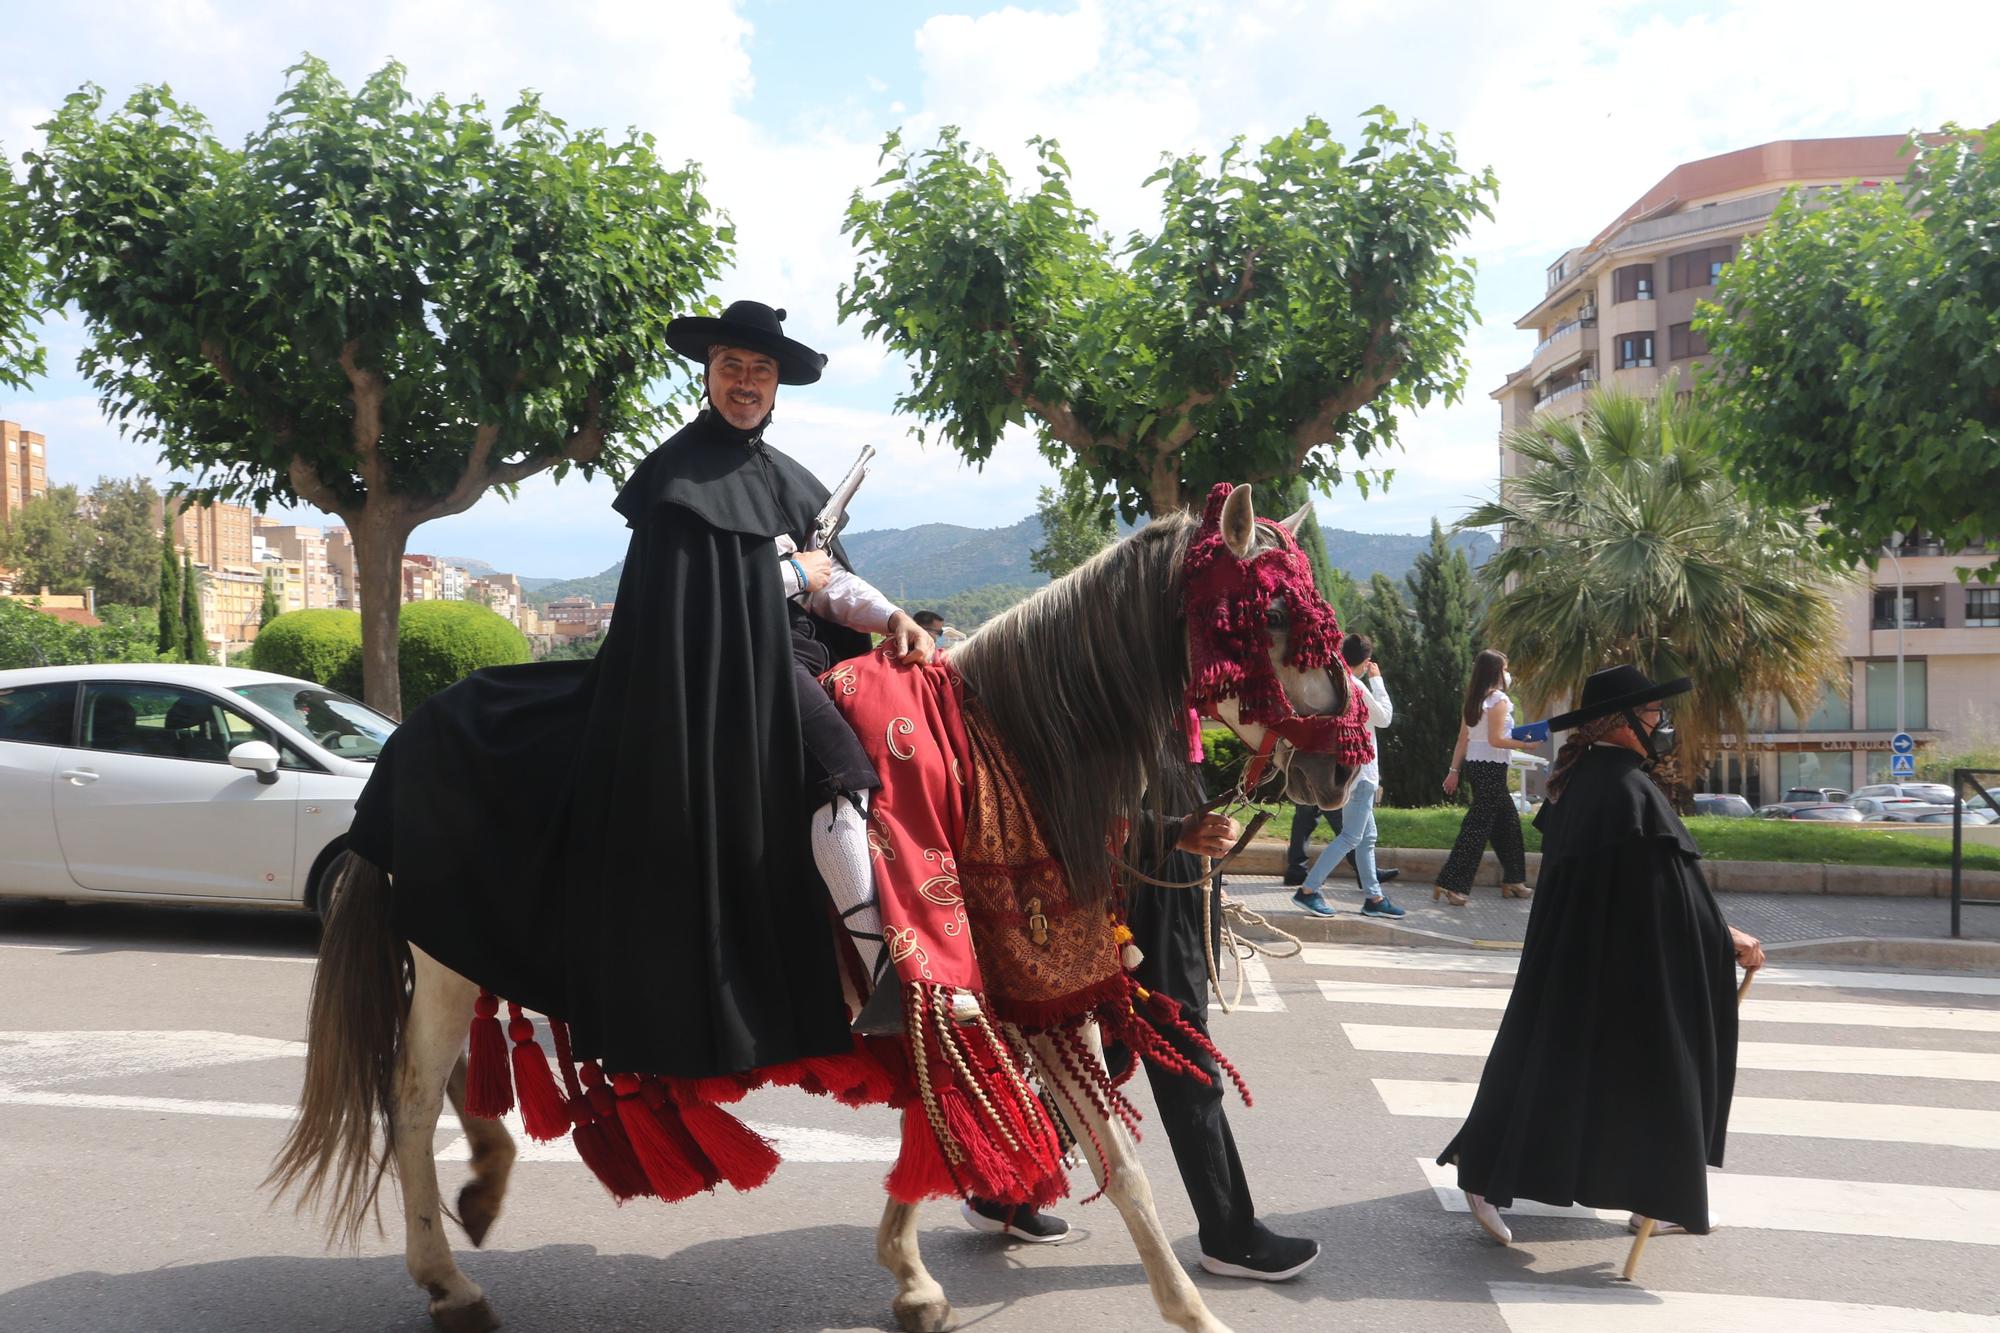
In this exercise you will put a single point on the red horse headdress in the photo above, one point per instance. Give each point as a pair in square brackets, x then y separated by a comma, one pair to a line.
[1228, 603]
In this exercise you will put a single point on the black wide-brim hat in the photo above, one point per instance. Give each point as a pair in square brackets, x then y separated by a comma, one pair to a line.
[751, 325]
[1613, 690]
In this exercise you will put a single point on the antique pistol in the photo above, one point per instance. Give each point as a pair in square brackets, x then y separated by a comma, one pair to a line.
[834, 517]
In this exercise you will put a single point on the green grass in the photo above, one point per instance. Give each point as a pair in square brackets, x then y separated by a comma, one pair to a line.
[1720, 839]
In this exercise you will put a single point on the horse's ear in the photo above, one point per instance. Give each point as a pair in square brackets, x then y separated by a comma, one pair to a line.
[1239, 523]
[1293, 522]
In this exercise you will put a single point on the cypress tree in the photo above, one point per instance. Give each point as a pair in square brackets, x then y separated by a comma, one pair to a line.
[270, 610]
[194, 644]
[170, 594]
[1447, 606]
[1405, 763]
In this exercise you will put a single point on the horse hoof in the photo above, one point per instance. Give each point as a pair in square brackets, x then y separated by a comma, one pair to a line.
[478, 1209]
[477, 1317]
[925, 1316]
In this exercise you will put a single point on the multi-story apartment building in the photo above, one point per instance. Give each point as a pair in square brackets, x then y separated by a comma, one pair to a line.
[341, 570]
[310, 575]
[222, 541]
[1619, 310]
[420, 578]
[502, 592]
[24, 468]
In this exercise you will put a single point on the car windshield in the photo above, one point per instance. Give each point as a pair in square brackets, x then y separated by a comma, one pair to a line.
[1936, 792]
[1805, 794]
[1836, 812]
[341, 726]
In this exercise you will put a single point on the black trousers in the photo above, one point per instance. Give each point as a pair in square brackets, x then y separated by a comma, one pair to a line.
[1492, 818]
[836, 765]
[1304, 819]
[1166, 925]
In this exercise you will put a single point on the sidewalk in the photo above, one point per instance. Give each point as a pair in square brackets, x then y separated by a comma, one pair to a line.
[1890, 932]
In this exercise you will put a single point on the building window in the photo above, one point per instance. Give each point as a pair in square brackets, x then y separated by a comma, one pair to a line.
[1634, 282]
[1982, 608]
[1882, 694]
[1685, 340]
[1835, 713]
[1809, 768]
[1635, 349]
[1697, 268]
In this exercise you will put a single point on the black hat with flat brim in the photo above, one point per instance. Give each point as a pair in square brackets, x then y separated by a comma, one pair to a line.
[1613, 690]
[753, 326]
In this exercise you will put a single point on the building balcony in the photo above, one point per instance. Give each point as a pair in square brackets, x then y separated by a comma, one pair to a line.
[1909, 622]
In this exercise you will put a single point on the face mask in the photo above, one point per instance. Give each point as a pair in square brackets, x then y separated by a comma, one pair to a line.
[1661, 741]
[1506, 680]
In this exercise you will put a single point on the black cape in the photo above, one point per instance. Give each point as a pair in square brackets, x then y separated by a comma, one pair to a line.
[622, 842]
[1610, 1079]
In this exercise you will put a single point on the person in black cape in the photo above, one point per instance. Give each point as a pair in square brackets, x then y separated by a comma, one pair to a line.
[1609, 1082]
[623, 843]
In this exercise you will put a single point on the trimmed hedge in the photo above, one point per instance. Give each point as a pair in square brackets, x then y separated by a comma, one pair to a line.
[320, 646]
[444, 642]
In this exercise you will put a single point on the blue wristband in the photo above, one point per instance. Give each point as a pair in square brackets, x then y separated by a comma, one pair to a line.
[799, 572]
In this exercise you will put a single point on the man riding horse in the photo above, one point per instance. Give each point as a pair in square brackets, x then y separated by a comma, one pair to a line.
[666, 785]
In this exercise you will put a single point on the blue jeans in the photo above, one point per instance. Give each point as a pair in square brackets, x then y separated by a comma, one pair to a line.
[1357, 835]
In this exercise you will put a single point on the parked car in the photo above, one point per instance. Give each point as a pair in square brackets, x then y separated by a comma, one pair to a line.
[1937, 793]
[1813, 796]
[1974, 815]
[1894, 808]
[1825, 813]
[1725, 804]
[170, 783]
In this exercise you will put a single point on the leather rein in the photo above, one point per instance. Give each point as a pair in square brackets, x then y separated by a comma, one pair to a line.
[1255, 770]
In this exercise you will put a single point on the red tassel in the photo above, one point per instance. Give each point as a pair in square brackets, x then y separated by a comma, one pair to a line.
[741, 1156]
[602, 1144]
[721, 1090]
[853, 1078]
[489, 1090]
[544, 1113]
[920, 1171]
[988, 1167]
[672, 1175]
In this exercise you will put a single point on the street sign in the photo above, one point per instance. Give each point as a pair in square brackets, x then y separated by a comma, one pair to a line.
[1902, 765]
[1903, 743]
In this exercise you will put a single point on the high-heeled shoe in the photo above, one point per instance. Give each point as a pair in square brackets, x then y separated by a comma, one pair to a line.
[1440, 891]
[1516, 891]
[1489, 1218]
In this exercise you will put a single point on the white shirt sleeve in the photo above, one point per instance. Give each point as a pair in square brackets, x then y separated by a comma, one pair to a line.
[848, 600]
[1380, 711]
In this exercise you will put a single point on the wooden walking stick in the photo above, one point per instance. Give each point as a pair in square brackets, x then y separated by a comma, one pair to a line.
[1646, 1224]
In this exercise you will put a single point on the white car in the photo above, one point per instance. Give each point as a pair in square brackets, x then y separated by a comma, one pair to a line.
[170, 783]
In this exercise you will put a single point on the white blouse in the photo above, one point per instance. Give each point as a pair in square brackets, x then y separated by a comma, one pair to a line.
[1477, 747]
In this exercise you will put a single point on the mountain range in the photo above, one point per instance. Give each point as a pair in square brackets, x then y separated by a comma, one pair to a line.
[938, 560]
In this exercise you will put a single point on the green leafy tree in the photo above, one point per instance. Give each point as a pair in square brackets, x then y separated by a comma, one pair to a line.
[30, 638]
[972, 608]
[168, 605]
[1077, 523]
[270, 610]
[1853, 354]
[48, 543]
[1628, 542]
[378, 306]
[122, 514]
[1411, 771]
[1289, 303]
[21, 357]
[193, 644]
[123, 634]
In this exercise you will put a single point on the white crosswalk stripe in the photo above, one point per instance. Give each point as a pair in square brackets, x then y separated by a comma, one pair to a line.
[1873, 1025]
[1533, 1308]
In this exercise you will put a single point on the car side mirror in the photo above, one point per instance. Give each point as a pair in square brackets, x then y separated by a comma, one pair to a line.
[260, 757]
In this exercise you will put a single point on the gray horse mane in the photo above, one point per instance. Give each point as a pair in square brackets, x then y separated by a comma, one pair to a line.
[1085, 684]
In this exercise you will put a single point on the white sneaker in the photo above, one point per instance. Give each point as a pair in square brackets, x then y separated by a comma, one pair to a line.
[1488, 1218]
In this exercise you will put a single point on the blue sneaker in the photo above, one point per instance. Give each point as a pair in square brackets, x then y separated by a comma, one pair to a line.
[1313, 901]
[1380, 905]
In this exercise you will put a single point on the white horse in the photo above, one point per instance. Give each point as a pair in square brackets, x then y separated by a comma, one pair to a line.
[388, 1022]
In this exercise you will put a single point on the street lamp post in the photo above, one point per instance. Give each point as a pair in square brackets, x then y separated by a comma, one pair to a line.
[1896, 560]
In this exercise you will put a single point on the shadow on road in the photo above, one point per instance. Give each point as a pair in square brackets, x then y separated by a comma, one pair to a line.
[121, 927]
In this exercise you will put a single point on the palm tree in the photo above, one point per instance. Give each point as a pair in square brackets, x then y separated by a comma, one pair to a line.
[1627, 542]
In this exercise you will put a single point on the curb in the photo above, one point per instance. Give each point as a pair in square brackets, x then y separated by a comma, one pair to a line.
[1855, 950]
[1267, 857]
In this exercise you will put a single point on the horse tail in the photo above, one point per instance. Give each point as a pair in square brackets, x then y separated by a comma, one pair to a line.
[354, 1037]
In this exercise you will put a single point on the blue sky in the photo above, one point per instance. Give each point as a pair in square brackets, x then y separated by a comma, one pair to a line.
[1579, 109]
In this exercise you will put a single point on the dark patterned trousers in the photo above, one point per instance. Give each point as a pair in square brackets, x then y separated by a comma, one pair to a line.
[1492, 818]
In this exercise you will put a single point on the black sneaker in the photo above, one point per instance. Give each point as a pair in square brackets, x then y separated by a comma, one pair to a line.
[1014, 1219]
[1383, 874]
[1275, 1259]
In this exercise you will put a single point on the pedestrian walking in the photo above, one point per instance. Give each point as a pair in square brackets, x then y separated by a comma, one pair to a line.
[1610, 1079]
[1357, 835]
[1482, 750]
[1305, 818]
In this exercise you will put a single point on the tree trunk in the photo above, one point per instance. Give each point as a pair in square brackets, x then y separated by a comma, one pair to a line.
[379, 543]
[1163, 493]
